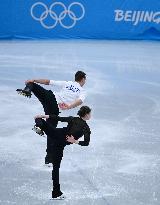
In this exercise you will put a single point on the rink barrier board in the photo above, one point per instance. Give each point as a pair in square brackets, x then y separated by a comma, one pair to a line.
[81, 19]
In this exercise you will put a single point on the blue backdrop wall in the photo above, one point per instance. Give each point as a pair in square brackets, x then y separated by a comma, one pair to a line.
[99, 19]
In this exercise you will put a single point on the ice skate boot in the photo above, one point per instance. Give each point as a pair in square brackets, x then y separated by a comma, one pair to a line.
[25, 92]
[59, 196]
[48, 160]
[38, 130]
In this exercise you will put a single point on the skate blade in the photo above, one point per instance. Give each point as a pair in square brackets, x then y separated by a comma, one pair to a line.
[59, 198]
[19, 92]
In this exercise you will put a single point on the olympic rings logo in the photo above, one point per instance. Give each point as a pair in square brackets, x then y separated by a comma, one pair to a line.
[57, 17]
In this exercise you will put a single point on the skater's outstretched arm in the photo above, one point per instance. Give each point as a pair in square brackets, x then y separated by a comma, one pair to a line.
[41, 81]
[46, 82]
[86, 138]
[82, 143]
[74, 104]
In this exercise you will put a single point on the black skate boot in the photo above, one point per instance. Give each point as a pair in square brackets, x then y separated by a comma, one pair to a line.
[25, 92]
[58, 195]
[38, 130]
[48, 160]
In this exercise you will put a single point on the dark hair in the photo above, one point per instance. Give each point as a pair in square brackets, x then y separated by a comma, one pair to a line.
[83, 111]
[79, 75]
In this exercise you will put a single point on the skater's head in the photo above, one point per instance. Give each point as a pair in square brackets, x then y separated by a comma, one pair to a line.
[84, 112]
[80, 77]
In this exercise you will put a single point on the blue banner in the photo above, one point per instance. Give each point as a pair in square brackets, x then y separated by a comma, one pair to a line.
[93, 19]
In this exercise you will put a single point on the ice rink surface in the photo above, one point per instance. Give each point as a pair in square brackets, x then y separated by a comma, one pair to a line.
[121, 166]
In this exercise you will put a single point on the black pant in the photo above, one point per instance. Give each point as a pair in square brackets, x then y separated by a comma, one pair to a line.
[49, 103]
[59, 142]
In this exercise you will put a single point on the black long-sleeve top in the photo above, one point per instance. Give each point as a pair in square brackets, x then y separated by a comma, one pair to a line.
[76, 127]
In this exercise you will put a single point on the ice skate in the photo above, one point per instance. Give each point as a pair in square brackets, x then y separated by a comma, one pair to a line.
[62, 197]
[38, 130]
[48, 161]
[24, 92]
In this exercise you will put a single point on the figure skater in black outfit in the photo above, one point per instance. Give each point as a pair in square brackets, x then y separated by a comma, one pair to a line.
[77, 127]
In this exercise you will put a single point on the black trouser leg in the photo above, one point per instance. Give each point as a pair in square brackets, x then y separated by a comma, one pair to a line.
[57, 157]
[55, 177]
[49, 138]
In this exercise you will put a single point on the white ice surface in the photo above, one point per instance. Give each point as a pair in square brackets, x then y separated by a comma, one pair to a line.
[121, 166]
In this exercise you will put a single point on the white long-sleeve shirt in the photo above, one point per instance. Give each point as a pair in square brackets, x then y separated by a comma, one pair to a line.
[70, 91]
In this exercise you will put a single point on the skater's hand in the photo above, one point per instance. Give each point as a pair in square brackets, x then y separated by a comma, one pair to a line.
[41, 116]
[70, 139]
[38, 116]
[64, 106]
[29, 81]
